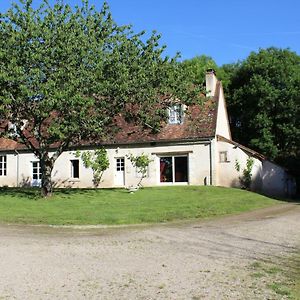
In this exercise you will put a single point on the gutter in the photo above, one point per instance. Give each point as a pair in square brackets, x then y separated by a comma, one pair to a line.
[210, 163]
[18, 166]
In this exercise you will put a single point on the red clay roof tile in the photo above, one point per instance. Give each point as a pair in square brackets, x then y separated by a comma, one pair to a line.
[199, 122]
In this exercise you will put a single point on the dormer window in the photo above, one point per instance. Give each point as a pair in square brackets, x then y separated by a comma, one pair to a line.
[175, 114]
[12, 128]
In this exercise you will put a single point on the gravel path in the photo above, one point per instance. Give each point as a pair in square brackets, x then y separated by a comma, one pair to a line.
[200, 260]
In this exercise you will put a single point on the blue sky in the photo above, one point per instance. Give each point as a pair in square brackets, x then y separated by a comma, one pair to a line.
[225, 30]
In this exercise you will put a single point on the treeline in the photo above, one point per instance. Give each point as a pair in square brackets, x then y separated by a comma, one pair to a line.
[263, 98]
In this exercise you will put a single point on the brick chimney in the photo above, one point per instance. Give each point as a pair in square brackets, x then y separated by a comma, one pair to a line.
[211, 82]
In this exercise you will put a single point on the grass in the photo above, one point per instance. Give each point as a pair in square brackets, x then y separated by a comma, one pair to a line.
[282, 276]
[117, 206]
[294, 276]
[279, 289]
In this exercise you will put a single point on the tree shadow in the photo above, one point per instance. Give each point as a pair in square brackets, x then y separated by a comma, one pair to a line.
[84, 191]
[34, 193]
[274, 182]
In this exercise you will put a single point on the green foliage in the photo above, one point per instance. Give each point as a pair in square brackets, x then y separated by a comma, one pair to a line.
[97, 160]
[141, 162]
[197, 67]
[69, 71]
[264, 102]
[237, 166]
[246, 177]
[195, 70]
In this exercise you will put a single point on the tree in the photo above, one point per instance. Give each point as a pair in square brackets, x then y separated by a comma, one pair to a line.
[141, 163]
[196, 68]
[264, 105]
[66, 73]
[97, 160]
[246, 177]
[264, 102]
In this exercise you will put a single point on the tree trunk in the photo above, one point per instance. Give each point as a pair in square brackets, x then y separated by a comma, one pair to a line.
[46, 168]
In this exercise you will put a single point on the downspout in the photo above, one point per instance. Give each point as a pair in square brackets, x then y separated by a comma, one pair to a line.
[210, 163]
[18, 164]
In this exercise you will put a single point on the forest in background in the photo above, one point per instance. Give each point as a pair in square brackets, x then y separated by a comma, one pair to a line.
[263, 99]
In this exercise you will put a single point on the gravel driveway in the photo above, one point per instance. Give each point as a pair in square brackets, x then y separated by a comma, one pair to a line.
[202, 260]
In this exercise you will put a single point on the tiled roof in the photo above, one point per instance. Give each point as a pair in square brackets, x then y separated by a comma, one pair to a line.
[7, 144]
[199, 123]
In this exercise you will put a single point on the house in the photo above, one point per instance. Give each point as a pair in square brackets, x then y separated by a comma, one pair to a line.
[194, 148]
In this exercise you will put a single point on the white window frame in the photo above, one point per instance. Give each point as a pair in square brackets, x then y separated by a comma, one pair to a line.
[176, 113]
[72, 169]
[36, 170]
[173, 169]
[223, 157]
[3, 165]
[119, 171]
[120, 164]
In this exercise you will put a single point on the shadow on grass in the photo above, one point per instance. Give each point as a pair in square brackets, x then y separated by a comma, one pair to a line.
[295, 199]
[28, 193]
[34, 193]
[82, 191]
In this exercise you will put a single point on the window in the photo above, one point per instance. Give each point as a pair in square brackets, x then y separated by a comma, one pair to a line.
[120, 164]
[176, 114]
[36, 170]
[223, 156]
[174, 169]
[3, 165]
[120, 171]
[75, 168]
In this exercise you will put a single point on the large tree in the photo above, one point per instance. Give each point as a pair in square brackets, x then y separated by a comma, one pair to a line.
[196, 67]
[264, 102]
[66, 73]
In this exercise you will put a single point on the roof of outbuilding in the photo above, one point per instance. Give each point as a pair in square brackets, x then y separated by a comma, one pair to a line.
[246, 149]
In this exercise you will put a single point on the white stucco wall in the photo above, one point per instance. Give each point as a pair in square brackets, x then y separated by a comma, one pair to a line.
[267, 177]
[223, 127]
[11, 176]
[276, 182]
[199, 168]
[227, 175]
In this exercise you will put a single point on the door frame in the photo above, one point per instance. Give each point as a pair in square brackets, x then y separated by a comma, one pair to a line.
[119, 165]
[173, 156]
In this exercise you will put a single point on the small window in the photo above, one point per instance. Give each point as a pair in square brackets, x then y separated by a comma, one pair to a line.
[175, 114]
[3, 165]
[223, 156]
[120, 164]
[75, 168]
[36, 170]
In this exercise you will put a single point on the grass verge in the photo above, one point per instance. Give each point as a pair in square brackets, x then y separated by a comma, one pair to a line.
[281, 277]
[117, 206]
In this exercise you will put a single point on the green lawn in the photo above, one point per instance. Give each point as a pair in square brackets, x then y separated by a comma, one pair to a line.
[117, 206]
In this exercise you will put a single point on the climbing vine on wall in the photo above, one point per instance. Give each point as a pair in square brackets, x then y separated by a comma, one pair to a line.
[246, 177]
[96, 160]
[141, 163]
